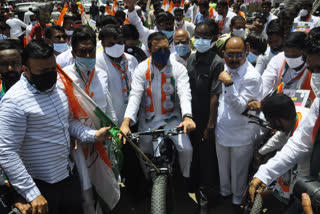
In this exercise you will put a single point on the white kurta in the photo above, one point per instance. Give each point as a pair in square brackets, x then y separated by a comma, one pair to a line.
[271, 75]
[227, 22]
[114, 81]
[65, 59]
[182, 106]
[234, 136]
[313, 19]
[188, 26]
[295, 150]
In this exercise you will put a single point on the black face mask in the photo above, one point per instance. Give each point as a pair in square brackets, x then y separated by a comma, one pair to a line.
[44, 81]
[10, 78]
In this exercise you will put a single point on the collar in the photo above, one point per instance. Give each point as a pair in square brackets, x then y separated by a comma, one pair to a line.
[206, 58]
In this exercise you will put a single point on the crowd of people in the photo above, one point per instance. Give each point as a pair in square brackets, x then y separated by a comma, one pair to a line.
[207, 67]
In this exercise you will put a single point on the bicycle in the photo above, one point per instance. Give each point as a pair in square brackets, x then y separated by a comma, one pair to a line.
[163, 157]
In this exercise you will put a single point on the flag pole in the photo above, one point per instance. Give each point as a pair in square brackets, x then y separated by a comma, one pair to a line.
[111, 122]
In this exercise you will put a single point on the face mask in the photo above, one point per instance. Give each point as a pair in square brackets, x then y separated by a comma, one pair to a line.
[202, 45]
[168, 34]
[161, 56]
[179, 22]
[252, 57]
[68, 32]
[44, 81]
[114, 51]
[182, 50]
[294, 62]
[85, 64]
[315, 83]
[34, 23]
[10, 78]
[60, 47]
[303, 12]
[238, 32]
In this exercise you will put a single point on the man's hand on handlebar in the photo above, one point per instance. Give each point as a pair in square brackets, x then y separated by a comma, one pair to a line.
[125, 129]
[39, 205]
[254, 105]
[188, 125]
[22, 205]
[306, 203]
[254, 184]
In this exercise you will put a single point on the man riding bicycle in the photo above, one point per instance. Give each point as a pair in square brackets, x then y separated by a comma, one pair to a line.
[158, 86]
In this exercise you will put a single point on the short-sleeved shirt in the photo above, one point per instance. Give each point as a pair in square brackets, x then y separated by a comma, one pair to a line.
[203, 73]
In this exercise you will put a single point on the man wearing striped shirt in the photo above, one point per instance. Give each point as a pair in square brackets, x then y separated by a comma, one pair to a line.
[35, 129]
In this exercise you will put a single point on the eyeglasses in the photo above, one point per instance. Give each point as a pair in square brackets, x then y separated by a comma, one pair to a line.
[234, 55]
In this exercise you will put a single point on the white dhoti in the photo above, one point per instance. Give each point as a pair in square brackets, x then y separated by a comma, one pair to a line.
[234, 163]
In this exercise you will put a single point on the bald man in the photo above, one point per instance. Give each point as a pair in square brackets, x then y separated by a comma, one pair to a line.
[241, 83]
[182, 44]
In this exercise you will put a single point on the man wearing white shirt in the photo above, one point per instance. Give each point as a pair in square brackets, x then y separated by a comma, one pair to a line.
[266, 9]
[288, 67]
[187, 11]
[119, 67]
[16, 26]
[154, 112]
[224, 16]
[56, 38]
[27, 15]
[305, 14]
[164, 23]
[182, 46]
[234, 137]
[275, 41]
[305, 138]
[180, 23]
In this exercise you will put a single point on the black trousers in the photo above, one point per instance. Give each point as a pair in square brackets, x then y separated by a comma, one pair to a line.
[64, 196]
[204, 167]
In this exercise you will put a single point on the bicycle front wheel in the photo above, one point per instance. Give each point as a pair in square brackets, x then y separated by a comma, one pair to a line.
[159, 195]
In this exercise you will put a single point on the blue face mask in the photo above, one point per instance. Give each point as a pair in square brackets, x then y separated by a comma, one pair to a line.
[182, 50]
[85, 64]
[252, 57]
[202, 45]
[168, 34]
[161, 56]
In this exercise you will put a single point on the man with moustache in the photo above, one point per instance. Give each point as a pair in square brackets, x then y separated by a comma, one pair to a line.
[241, 83]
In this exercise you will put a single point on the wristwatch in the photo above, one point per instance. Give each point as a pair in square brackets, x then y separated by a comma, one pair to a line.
[187, 115]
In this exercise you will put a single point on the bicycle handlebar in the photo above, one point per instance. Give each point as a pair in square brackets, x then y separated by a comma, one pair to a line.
[152, 132]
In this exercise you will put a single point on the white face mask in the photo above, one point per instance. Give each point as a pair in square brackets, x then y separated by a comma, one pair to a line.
[68, 32]
[315, 83]
[115, 51]
[60, 47]
[303, 12]
[294, 62]
[238, 32]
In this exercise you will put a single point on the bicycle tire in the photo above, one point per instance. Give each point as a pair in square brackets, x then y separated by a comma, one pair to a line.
[159, 195]
[257, 205]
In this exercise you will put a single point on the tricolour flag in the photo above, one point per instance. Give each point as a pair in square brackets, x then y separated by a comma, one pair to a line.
[104, 169]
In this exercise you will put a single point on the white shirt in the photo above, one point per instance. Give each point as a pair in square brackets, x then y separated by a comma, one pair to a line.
[26, 18]
[313, 19]
[295, 150]
[227, 22]
[65, 58]
[137, 98]
[271, 76]
[15, 27]
[28, 30]
[144, 32]
[270, 18]
[189, 14]
[232, 127]
[188, 26]
[114, 81]
[263, 60]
